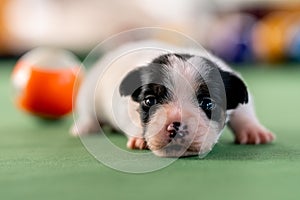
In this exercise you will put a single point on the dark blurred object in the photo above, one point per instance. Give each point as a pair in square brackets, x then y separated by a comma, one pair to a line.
[230, 37]
[262, 32]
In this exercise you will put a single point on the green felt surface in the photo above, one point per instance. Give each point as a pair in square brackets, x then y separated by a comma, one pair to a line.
[39, 160]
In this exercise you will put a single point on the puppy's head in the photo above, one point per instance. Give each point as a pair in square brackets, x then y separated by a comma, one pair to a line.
[182, 102]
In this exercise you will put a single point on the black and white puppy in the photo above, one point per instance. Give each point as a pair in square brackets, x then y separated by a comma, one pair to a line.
[173, 101]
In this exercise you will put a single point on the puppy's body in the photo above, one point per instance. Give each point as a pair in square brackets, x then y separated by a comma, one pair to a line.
[171, 100]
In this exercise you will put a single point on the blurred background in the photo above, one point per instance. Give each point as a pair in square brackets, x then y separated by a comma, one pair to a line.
[238, 31]
[40, 160]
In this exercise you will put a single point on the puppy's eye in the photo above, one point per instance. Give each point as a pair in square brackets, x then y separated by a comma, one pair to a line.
[207, 104]
[150, 101]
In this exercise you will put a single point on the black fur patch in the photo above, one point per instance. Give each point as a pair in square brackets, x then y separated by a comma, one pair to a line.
[210, 82]
[131, 84]
[164, 59]
[143, 82]
[161, 94]
[236, 90]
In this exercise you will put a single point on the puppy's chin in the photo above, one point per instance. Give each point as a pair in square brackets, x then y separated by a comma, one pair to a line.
[176, 151]
[198, 143]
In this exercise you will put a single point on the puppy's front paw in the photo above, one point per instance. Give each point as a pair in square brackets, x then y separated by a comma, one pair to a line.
[253, 133]
[136, 143]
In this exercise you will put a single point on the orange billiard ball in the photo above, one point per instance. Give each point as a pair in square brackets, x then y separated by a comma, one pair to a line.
[46, 80]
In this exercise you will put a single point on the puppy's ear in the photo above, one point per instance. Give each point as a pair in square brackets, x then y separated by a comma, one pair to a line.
[132, 84]
[235, 88]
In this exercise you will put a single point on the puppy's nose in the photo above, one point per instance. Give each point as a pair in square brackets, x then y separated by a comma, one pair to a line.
[173, 129]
